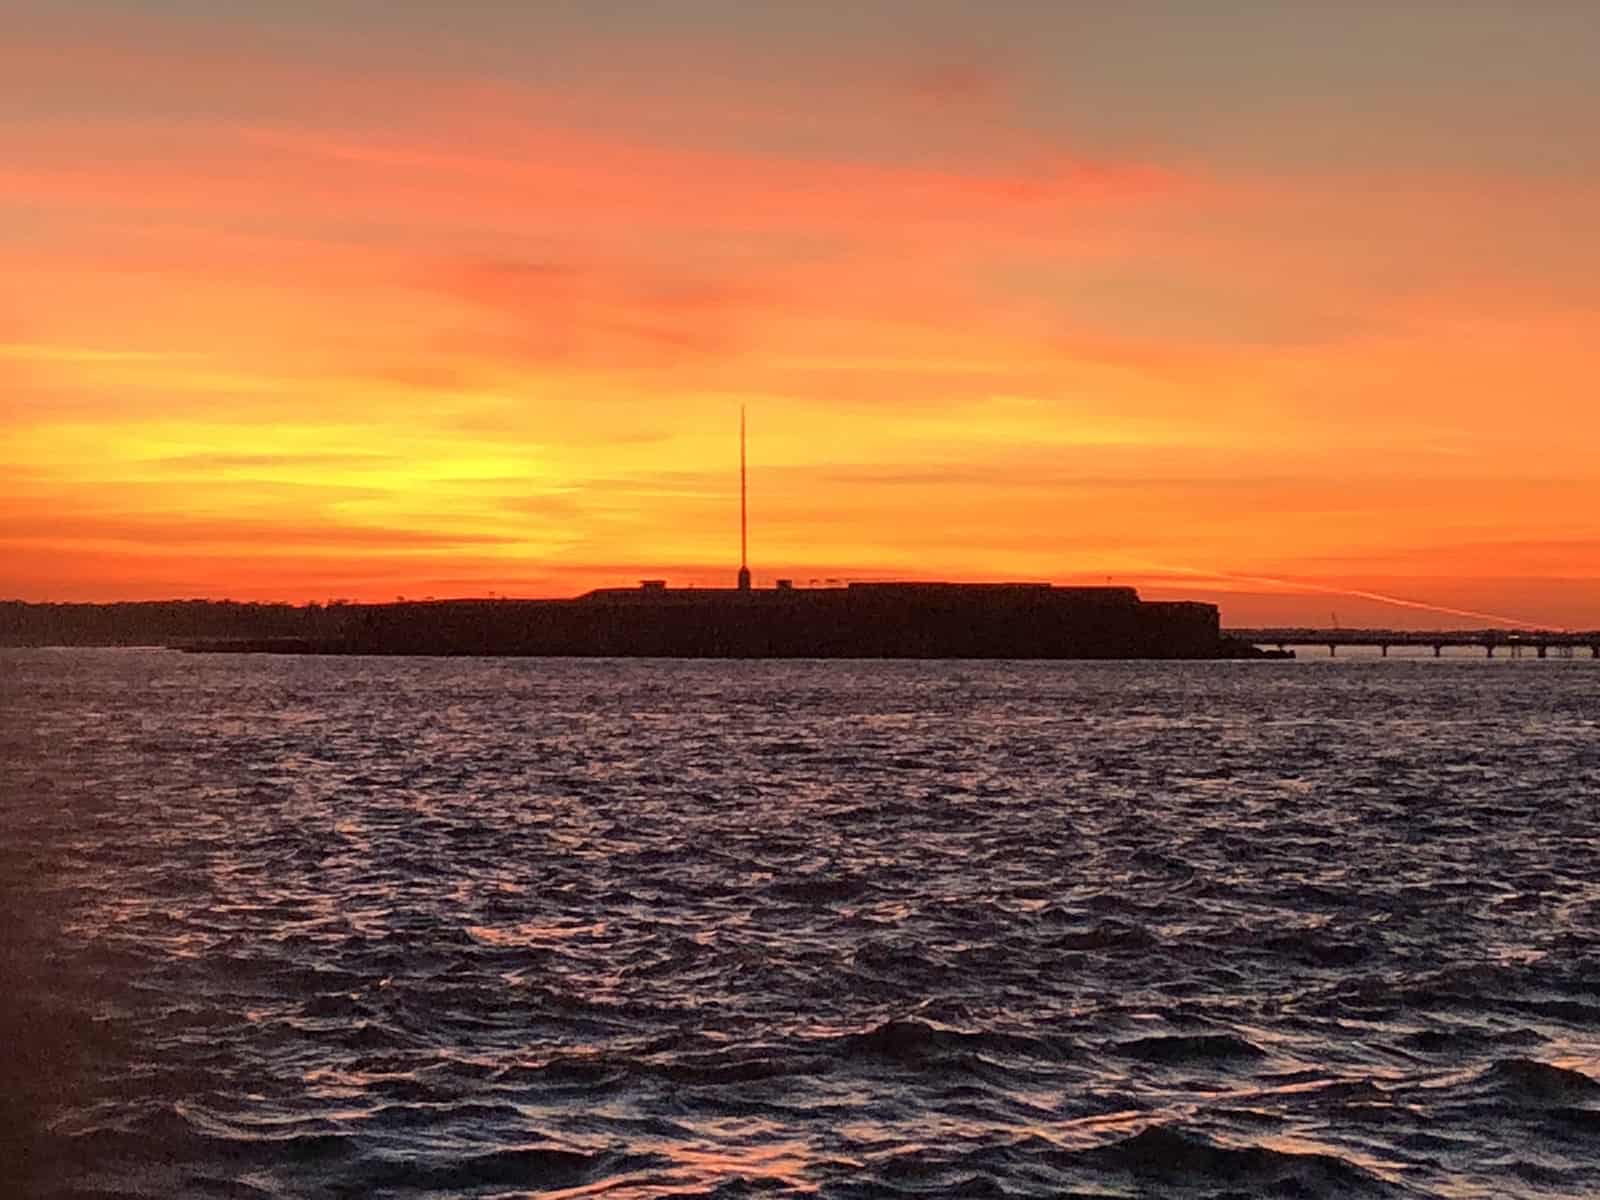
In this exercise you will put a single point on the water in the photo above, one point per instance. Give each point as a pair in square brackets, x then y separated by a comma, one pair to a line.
[333, 927]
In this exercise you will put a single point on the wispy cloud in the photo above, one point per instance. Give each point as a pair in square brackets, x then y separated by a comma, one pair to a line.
[230, 461]
[83, 355]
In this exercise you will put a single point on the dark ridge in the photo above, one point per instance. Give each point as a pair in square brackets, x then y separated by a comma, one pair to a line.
[716, 1070]
[1164, 1154]
[404, 1115]
[908, 1040]
[170, 1137]
[1109, 935]
[1464, 1039]
[528, 1167]
[1195, 1048]
[818, 889]
[1535, 1080]
[1351, 1091]
[1314, 951]
[567, 1070]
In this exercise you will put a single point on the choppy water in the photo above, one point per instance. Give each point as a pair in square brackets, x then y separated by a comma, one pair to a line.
[329, 928]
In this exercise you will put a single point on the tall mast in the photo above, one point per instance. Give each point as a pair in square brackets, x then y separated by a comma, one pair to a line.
[744, 518]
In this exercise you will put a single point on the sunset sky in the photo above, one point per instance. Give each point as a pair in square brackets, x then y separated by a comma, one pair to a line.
[1284, 304]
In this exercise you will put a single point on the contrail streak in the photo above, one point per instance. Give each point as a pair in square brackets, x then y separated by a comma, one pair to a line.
[1358, 593]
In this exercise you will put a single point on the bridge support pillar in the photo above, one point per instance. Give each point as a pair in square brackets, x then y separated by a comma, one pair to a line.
[1383, 651]
[1489, 649]
[1438, 651]
[1543, 650]
[1333, 650]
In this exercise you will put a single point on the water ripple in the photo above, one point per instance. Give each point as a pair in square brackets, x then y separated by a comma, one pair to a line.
[322, 928]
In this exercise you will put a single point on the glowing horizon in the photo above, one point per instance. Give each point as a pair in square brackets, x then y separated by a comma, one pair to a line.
[331, 301]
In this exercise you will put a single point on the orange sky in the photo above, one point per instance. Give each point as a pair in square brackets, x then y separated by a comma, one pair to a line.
[348, 299]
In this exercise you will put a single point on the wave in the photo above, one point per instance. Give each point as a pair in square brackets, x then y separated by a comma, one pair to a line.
[1212, 1047]
[1109, 935]
[818, 889]
[1530, 1079]
[540, 1167]
[1468, 1039]
[1168, 1155]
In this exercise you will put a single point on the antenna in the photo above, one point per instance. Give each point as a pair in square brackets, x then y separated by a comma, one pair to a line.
[744, 518]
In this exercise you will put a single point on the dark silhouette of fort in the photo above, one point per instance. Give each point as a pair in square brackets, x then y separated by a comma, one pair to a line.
[863, 620]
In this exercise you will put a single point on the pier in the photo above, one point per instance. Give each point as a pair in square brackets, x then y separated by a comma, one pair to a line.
[1516, 643]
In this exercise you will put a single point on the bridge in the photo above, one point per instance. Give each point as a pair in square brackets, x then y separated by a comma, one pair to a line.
[1515, 642]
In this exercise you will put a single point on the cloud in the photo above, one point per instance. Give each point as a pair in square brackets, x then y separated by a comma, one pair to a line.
[81, 355]
[958, 83]
[612, 315]
[230, 461]
[285, 536]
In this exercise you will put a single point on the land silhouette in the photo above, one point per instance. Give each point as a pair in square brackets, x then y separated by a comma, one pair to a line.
[878, 620]
[908, 620]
